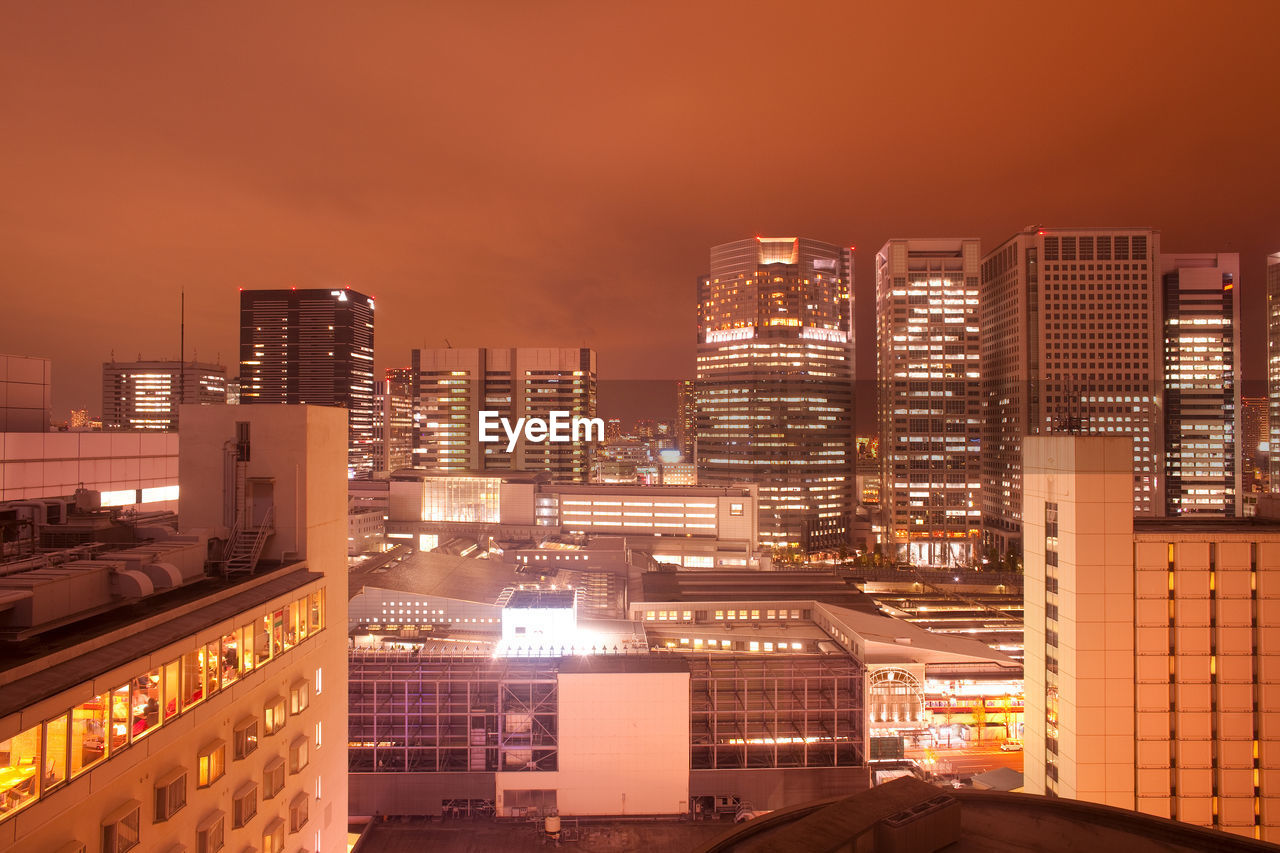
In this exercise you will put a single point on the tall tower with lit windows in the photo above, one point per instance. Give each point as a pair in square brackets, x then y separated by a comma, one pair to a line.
[1202, 442]
[145, 395]
[774, 384]
[929, 400]
[1273, 369]
[312, 347]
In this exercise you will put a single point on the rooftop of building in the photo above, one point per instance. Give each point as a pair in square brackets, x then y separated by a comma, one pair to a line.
[542, 599]
[988, 821]
[828, 586]
[442, 575]
[410, 474]
[57, 660]
[1204, 527]
[665, 491]
[482, 836]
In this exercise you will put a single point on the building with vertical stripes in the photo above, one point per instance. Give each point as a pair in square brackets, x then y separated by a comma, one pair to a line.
[929, 399]
[1071, 342]
[1152, 656]
[775, 384]
[1202, 447]
[455, 385]
[146, 394]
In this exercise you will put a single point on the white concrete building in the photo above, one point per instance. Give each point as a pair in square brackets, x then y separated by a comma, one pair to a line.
[691, 526]
[1152, 660]
[200, 716]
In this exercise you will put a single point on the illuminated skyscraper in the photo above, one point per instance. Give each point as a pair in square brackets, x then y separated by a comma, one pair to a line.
[1071, 342]
[1254, 433]
[455, 385]
[393, 420]
[1273, 367]
[775, 384]
[314, 347]
[686, 419]
[1201, 385]
[146, 394]
[929, 399]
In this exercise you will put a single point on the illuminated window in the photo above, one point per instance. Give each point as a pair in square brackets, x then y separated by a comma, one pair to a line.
[273, 716]
[210, 764]
[298, 697]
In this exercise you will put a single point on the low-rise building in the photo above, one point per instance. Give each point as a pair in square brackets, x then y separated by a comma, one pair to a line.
[157, 699]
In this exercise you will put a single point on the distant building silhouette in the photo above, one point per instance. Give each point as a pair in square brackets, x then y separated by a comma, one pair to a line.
[316, 347]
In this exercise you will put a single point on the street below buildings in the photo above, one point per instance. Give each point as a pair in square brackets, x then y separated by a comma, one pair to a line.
[961, 759]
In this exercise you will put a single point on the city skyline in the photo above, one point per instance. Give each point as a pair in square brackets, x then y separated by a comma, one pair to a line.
[607, 204]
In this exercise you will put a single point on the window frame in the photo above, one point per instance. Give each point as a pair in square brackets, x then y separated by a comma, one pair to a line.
[165, 787]
[209, 758]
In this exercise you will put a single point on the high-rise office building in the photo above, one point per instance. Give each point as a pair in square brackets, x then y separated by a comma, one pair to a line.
[455, 385]
[1255, 431]
[1071, 342]
[1201, 385]
[314, 347]
[26, 403]
[146, 394]
[686, 419]
[1151, 655]
[775, 384]
[929, 399]
[393, 420]
[1273, 368]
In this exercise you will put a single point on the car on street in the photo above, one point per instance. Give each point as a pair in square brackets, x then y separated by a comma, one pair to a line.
[1011, 746]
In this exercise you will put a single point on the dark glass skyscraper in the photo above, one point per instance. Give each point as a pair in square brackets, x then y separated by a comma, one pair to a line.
[775, 384]
[314, 347]
[1202, 458]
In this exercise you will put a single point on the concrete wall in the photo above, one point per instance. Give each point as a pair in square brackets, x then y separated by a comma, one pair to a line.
[415, 793]
[1091, 481]
[775, 788]
[624, 745]
[292, 445]
[26, 402]
[55, 464]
